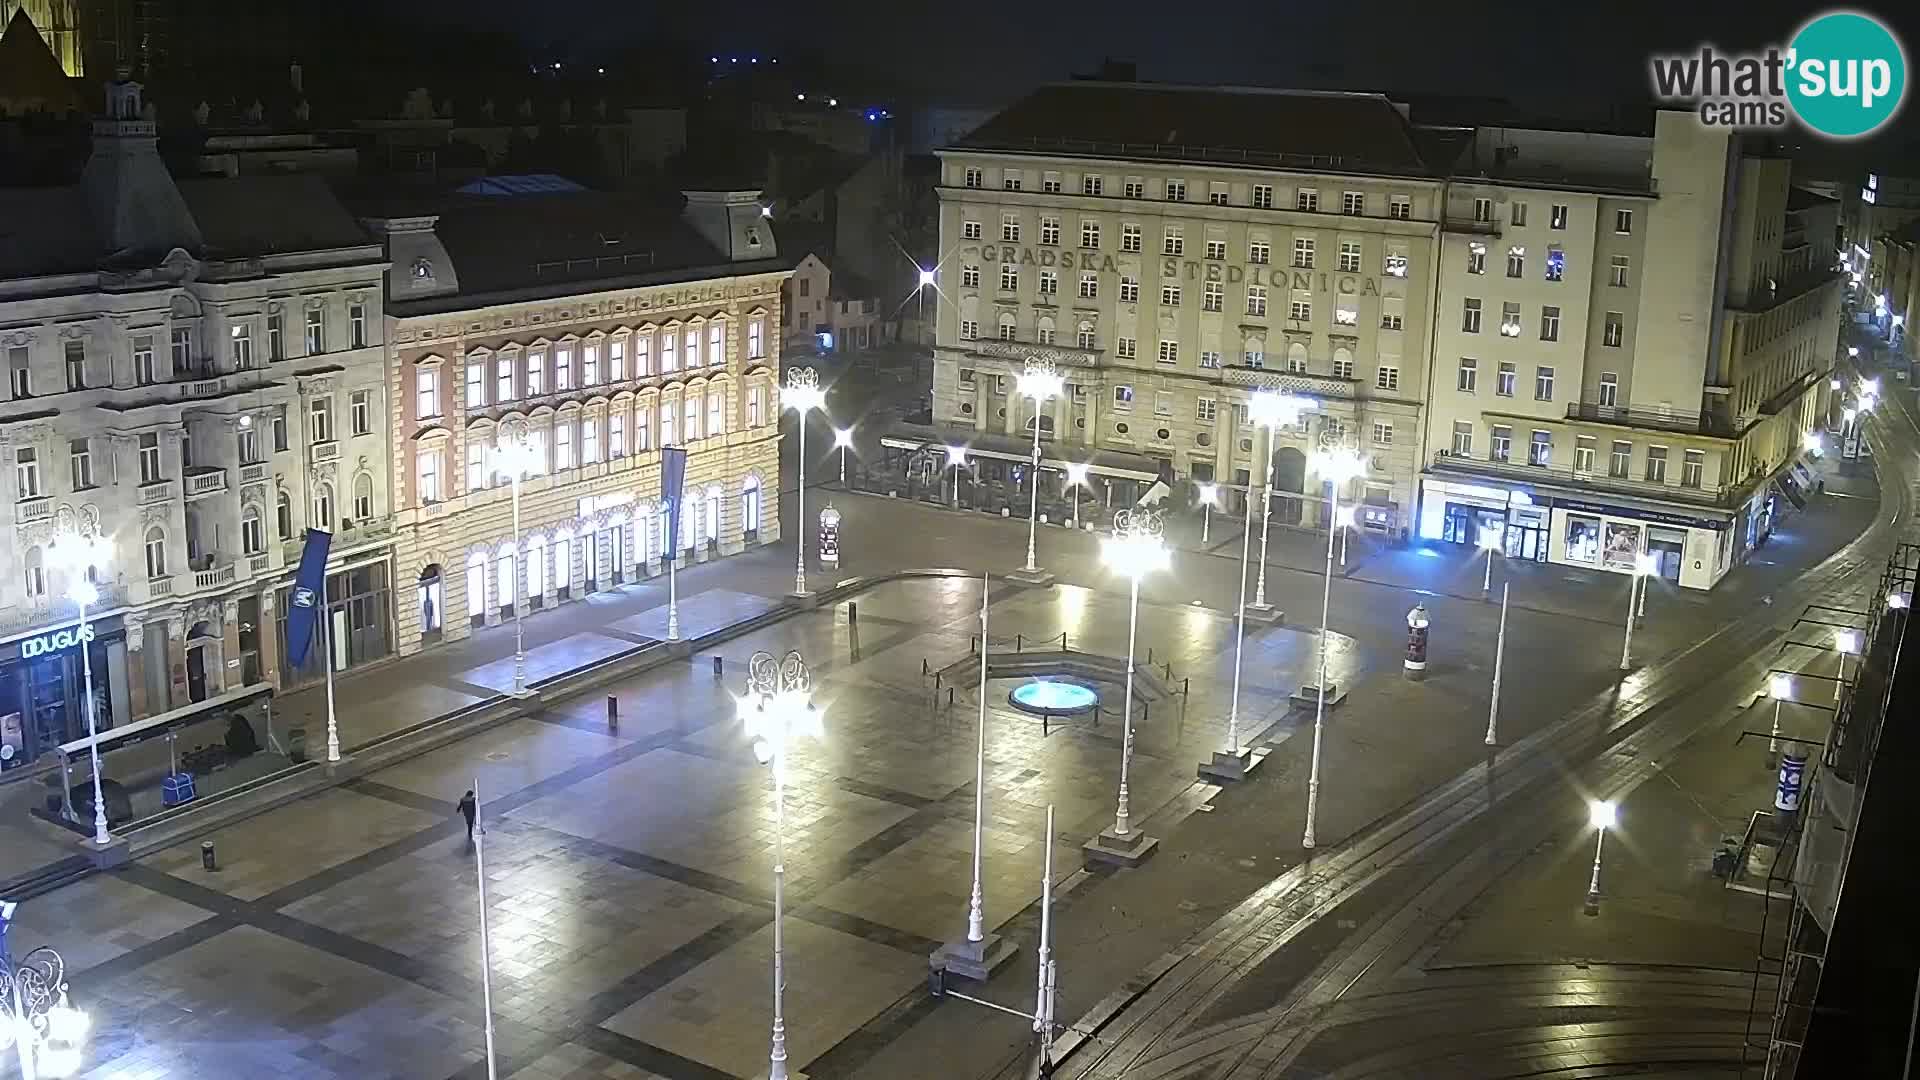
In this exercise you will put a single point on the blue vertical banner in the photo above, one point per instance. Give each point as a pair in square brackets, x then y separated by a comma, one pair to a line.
[309, 595]
[673, 478]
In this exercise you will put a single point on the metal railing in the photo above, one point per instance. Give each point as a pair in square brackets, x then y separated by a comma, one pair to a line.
[1656, 419]
[1719, 496]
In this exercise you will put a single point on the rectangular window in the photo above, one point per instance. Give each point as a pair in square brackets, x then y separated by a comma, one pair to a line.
[1136, 188]
[1349, 256]
[1558, 219]
[1342, 369]
[1500, 444]
[1212, 296]
[1169, 352]
[1583, 454]
[1169, 296]
[1617, 271]
[281, 438]
[1204, 410]
[670, 349]
[1303, 252]
[643, 423]
[1556, 263]
[476, 466]
[1049, 284]
[1476, 258]
[693, 358]
[1400, 208]
[1091, 185]
[1483, 209]
[1176, 190]
[1162, 403]
[1089, 286]
[1693, 467]
[536, 373]
[1172, 242]
[970, 230]
[1516, 261]
[590, 365]
[1008, 331]
[1395, 264]
[1050, 231]
[562, 445]
[1256, 299]
[240, 346]
[360, 412]
[1085, 337]
[1656, 464]
[249, 445]
[969, 276]
[1518, 213]
[1090, 234]
[1387, 377]
[80, 457]
[320, 419]
[1217, 194]
[1259, 251]
[969, 329]
[669, 424]
[1383, 433]
[1345, 312]
[1307, 200]
[76, 359]
[1540, 450]
[753, 403]
[1470, 316]
[426, 386]
[1609, 389]
[1263, 196]
[1614, 331]
[1129, 238]
[1129, 290]
[150, 458]
[1504, 379]
[1009, 228]
[1210, 358]
[1010, 180]
[1549, 323]
[1299, 309]
[1509, 320]
[182, 350]
[1044, 334]
[1543, 384]
[357, 325]
[617, 434]
[590, 440]
[1469, 375]
[276, 336]
[617, 360]
[643, 355]
[1216, 250]
[972, 178]
[1123, 397]
[1623, 221]
[26, 473]
[316, 332]
[503, 381]
[143, 372]
[1462, 439]
[1009, 276]
[1620, 460]
[1125, 348]
[1050, 183]
[1353, 203]
[430, 476]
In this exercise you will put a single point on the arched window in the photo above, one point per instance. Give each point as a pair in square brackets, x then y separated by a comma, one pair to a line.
[323, 506]
[253, 534]
[363, 498]
[156, 552]
[1256, 352]
[1297, 358]
[1008, 329]
[36, 563]
[477, 586]
[750, 505]
[283, 515]
[1044, 330]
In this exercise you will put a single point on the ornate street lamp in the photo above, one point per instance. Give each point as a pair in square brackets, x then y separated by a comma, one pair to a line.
[516, 456]
[803, 395]
[1040, 382]
[1338, 465]
[1270, 410]
[36, 1019]
[81, 556]
[1136, 548]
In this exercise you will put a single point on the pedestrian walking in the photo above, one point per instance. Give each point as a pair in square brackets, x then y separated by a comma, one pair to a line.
[469, 808]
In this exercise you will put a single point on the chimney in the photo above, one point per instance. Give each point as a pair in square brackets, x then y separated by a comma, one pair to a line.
[735, 222]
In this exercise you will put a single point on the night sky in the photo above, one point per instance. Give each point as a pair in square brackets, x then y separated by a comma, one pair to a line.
[1549, 52]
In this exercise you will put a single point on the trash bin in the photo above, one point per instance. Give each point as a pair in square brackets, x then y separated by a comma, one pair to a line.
[176, 788]
[297, 745]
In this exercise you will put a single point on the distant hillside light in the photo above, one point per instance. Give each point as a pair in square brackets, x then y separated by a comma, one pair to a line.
[833, 101]
[799, 97]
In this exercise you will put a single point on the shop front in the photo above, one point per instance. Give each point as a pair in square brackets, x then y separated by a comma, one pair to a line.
[359, 622]
[1459, 513]
[42, 679]
[1691, 552]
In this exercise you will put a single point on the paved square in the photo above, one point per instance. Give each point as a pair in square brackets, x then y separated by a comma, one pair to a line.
[507, 758]
[265, 853]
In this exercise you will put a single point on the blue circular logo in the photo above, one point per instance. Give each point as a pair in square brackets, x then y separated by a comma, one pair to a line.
[1847, 74]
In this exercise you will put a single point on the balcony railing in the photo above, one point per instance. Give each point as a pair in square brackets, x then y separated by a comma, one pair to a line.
[259, 564]
[38, 508]
[1291, 382]
[206, 481]
[1637, 416]
[214, 578]
[1723, 496]
[159, 491]
[253, 473]
[160, 586]
[324, 451]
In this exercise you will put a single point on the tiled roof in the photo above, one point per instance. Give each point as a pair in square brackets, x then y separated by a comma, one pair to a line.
[1363, 133]
[251, 216]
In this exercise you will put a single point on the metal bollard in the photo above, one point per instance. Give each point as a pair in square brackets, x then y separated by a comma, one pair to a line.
[1186, 686]
[718, 662]
[1149, 656]
[949, 695]
[207, 860]
[853, 613]
[936, 682]
[613, 713]
[1019, 643]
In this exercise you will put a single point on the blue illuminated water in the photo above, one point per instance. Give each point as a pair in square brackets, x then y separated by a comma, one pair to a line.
[1054, 698]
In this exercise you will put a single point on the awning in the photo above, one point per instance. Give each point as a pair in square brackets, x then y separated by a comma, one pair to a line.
[154, 726]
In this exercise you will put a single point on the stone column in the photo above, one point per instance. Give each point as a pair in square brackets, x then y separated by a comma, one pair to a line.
[267, 633]
[229, 649]
[137, 660]
[177, 657]
[981, 397]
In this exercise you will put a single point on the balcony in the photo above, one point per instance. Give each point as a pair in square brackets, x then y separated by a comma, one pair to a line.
[214, 578]
[155, 492]
[28, 511]
[1471, 226]
[1634, 416]
[259, 564]
[254, 473]
[205, 481]
[1021, 352]
[324, 451]
[160, 586]
[1560, 476]
[1309, 385]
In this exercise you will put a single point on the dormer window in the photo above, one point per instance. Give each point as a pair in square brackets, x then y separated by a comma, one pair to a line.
[423, 269]
[753, 237]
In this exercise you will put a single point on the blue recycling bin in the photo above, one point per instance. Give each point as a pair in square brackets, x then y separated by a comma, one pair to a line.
[176, 788]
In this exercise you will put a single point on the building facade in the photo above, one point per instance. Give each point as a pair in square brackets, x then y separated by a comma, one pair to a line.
[1634, 338]
[511, 326]
[1284, 241]
[194, 374]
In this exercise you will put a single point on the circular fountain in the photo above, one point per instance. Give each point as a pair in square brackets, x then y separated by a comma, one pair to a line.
[1044, 697]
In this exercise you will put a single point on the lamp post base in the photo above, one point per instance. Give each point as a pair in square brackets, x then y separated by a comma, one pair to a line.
[1308, 696]
[1130, 850]
[1036, 578]
[522, 693]
[1226, 768]
[1264, 614]
[976, 960]
[792, 1074]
